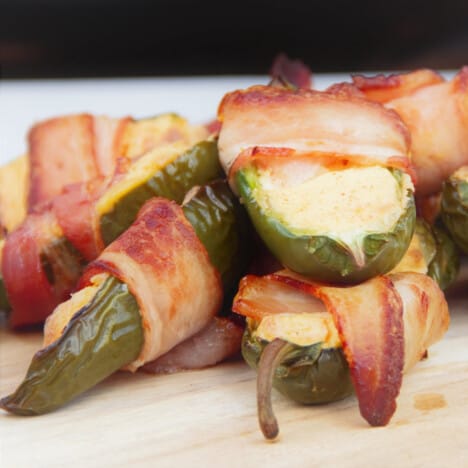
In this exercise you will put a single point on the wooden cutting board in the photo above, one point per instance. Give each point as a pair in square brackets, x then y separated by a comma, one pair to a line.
[208, 418]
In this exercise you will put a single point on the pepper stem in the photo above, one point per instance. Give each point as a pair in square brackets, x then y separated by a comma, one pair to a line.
[269, 361]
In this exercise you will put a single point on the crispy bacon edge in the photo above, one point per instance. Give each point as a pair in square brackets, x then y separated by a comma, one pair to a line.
[381, 88]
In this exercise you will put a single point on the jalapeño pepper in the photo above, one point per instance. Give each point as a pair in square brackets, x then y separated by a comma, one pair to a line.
[344, 239]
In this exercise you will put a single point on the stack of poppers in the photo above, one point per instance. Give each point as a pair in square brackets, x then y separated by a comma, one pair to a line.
[327, 180]
[133, 219]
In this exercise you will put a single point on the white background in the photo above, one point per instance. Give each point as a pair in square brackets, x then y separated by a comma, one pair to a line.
[22, 103]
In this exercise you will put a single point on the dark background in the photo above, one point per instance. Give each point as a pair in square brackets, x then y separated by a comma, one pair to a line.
[89, 38]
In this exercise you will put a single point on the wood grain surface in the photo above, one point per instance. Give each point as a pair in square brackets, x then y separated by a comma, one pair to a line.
[208, 418]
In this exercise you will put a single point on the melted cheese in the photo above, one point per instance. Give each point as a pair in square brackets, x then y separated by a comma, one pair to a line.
[345, 205]
[58, 320]
[14, 186]
[461, 174]
[142, 135]
[138, 173]
[413, 260]
[302, 329]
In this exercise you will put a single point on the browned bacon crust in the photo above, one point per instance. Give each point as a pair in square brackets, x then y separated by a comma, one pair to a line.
[425, 314]
[309, 122]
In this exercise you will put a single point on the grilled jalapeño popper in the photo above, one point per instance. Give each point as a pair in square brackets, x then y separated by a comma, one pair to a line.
[159, 283]
[325, 178]
[317, 343]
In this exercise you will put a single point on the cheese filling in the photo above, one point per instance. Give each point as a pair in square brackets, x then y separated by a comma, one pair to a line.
[142, 135]
[414, 259]
[62, 314]
[303, 329]
[345, 205]
[461, 174]
[139, 172]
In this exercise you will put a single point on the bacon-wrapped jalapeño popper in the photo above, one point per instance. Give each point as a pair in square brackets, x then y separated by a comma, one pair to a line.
[158, 284]
[317, 343]
[325, 178]
[74, 226]
[454, 206]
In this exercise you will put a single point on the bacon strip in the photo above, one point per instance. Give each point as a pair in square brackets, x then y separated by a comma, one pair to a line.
[61, 152]
[218, 341]
[436, 114]
[168, 270]
[381, 88]
[31, 293]
[369, 319]
[385, 325]
[71, 149]
[75, 211]
[426, 314]
[213, 127]
[309, 122]
[108, 135]
[260, 296]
